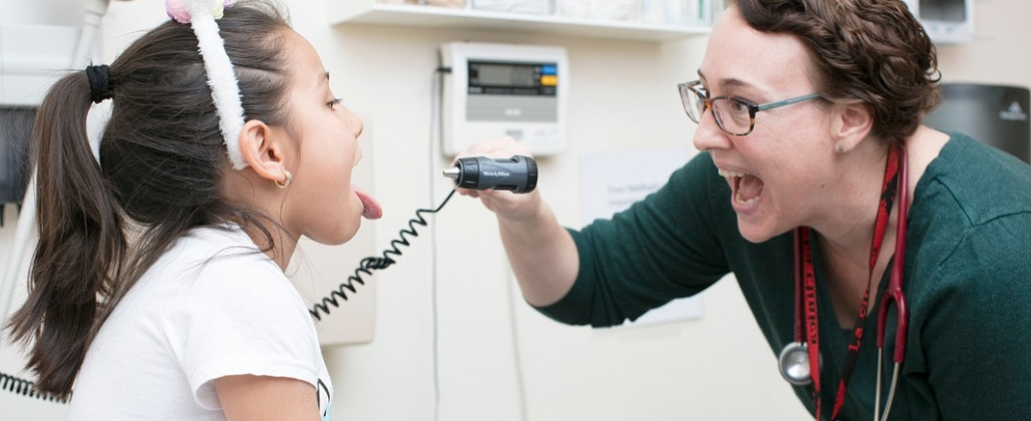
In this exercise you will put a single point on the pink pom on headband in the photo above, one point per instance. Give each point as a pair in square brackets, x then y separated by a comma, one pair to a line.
[225, 89]
[179, 9]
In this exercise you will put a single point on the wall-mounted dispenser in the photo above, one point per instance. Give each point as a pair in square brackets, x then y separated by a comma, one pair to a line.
[996, 115]
[15, 130]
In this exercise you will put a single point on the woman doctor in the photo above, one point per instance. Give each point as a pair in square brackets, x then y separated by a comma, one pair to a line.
[809, 116]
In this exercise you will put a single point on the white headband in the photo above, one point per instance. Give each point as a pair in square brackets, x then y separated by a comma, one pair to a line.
[225, 89]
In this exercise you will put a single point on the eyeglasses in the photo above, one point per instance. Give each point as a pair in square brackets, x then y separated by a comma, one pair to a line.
[733, 115]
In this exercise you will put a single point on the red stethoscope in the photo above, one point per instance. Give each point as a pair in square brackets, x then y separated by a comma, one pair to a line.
[799, 361]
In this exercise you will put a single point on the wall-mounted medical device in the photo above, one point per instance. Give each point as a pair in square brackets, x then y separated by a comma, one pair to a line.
[945, 21]
[497, 90]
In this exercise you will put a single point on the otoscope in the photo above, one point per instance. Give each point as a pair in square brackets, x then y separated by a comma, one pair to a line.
[518, 173]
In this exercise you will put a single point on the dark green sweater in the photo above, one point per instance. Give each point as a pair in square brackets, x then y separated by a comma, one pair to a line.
[967, 283]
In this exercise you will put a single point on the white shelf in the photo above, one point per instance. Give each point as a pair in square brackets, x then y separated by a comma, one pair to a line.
[364, 12]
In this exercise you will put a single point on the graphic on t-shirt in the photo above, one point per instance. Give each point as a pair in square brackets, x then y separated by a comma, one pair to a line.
[324, 397]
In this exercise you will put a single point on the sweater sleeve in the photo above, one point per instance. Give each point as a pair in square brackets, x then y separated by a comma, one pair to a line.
[975, 337]
[661, 248]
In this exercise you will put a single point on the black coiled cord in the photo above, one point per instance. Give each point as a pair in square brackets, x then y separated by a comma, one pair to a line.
[371, 263]
[26, 388]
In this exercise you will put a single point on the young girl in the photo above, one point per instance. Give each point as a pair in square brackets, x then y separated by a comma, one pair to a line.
[157, 283]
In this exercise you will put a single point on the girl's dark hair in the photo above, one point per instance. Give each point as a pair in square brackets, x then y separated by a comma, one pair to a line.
[873, 51]
[162, 161]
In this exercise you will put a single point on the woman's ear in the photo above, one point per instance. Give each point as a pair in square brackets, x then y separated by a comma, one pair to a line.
[850, 124]
[263, 150]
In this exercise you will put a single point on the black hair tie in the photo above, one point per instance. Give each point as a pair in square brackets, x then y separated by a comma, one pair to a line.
[99, 83]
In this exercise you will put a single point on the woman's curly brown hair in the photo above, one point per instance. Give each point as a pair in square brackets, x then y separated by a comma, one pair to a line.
[871, 51]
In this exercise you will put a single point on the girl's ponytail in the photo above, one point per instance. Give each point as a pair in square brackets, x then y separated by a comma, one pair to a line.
[81, 244]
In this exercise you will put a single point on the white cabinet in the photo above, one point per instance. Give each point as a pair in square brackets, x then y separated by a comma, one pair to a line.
[375, 13]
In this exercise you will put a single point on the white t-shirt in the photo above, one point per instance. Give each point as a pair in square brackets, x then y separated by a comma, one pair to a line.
[212, 306]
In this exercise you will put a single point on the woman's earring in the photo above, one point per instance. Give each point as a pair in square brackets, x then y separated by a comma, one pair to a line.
[289, 178]
[841, 149]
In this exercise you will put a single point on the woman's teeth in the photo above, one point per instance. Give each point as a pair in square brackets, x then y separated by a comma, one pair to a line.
[734, 178]
[741, 200]
[730, 174]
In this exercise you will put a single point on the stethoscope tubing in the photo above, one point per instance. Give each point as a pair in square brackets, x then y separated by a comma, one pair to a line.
[894, 293]
[894, 290]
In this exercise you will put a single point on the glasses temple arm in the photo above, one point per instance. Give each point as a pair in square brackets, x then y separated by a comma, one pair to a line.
[787, 102]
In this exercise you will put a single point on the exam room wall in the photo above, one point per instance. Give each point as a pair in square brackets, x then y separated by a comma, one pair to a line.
[622, 98]
[1000, 52]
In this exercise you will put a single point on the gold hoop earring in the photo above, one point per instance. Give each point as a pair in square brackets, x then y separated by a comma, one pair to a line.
[289, 178]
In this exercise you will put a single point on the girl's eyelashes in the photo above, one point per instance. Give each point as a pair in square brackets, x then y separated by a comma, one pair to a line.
[332, 103]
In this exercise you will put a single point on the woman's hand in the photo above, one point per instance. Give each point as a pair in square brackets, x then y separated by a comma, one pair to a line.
[507, 205]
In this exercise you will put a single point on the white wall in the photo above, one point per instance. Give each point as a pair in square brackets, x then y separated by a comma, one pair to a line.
[472, 335]
[1000, 53]
[41, 12]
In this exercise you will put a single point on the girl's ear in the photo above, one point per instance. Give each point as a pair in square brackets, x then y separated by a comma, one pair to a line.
[850, 125]
[263, 150]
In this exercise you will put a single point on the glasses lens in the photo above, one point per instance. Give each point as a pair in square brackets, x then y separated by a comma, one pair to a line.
[693, 104]
[732, 115]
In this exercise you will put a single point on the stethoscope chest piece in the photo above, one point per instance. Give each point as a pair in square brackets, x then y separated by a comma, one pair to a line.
[794, 364]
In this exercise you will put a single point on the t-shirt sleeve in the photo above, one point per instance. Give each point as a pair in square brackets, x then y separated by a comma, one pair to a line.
[239, 316]
[661, 248]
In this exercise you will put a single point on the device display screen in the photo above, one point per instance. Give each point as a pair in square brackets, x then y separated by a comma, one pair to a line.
[943, 10]
[506, 75]
[507, 78]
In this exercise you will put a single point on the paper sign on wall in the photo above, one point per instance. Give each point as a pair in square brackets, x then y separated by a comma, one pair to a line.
[611, 181]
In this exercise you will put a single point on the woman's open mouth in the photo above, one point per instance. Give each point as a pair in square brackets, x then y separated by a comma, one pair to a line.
[746, 188]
